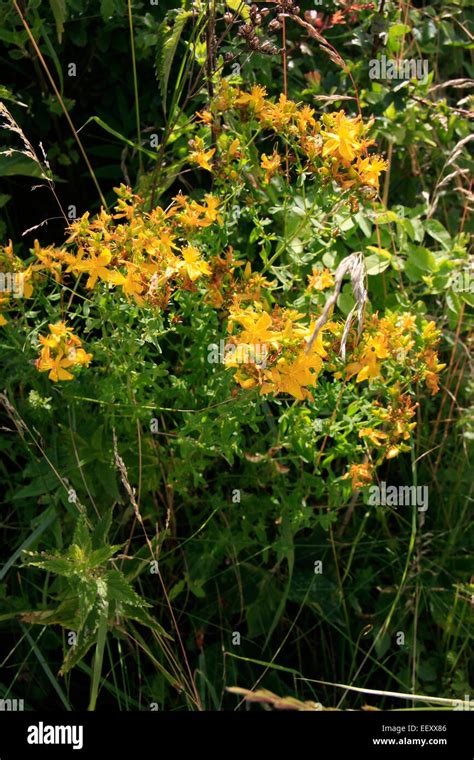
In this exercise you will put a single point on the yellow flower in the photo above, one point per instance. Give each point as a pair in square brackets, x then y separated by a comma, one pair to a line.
[293, 377]
[255, 99]
[271, 165]
[305, 119]
[200, 156]
[361, 474]
[132, 284]
[342, 139]
[376, 436]
[59, 332]
[204, 117]
[256, 327]
[368, 367]
[96, 266]
[433, 367]
[79, 356]
[430, 332]
[61, 350]
[244, 380]
[320, 279]
[369, 170]
[56, 365]
[278, 116]
[193, 264]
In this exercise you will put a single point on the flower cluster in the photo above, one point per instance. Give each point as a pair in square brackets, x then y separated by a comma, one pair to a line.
[61, 350]
[15, 279]
[392, 338]
[334, 147]
[146, 255]
[288, 368]
[397, 425]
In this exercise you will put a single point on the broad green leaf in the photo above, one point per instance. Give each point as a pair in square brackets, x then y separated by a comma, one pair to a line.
[140, 615]
[107, 8]
[436, 230]
[239, 7]
[19, 164]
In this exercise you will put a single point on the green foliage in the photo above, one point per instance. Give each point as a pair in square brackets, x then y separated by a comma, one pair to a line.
[155, 507]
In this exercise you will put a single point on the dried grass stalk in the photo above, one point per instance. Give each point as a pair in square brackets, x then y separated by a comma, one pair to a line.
[353, 265]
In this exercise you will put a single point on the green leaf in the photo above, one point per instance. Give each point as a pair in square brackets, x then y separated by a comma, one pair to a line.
[59, 10]
[101, 530]
[99, 556]
[378, 261]
[144, 617]
[398, 30]
[81, 537]
[53, 564]
[169, 37]
[420, 262]
[119, 136]
[435, 229]
[239, 7]
[120, 590]
[107, 8]
[18, 164]
[100, 646]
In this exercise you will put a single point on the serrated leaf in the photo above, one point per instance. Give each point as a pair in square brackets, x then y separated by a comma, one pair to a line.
[119, 590]
[144, 617]
[82, 537]
[101, 530]
[77, 653]
[51, 563]
[99, 556]
[169, 37]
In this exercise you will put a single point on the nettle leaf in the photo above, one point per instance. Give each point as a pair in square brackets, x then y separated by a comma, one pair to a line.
[119, 590]
[144, 617]
[101, 530]
[169, 36]
[58, 565]
[239, 7]
[87, 596]
[77, 653]
[82, 536]
[88, 627]
[64, 615]
[100, 556]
